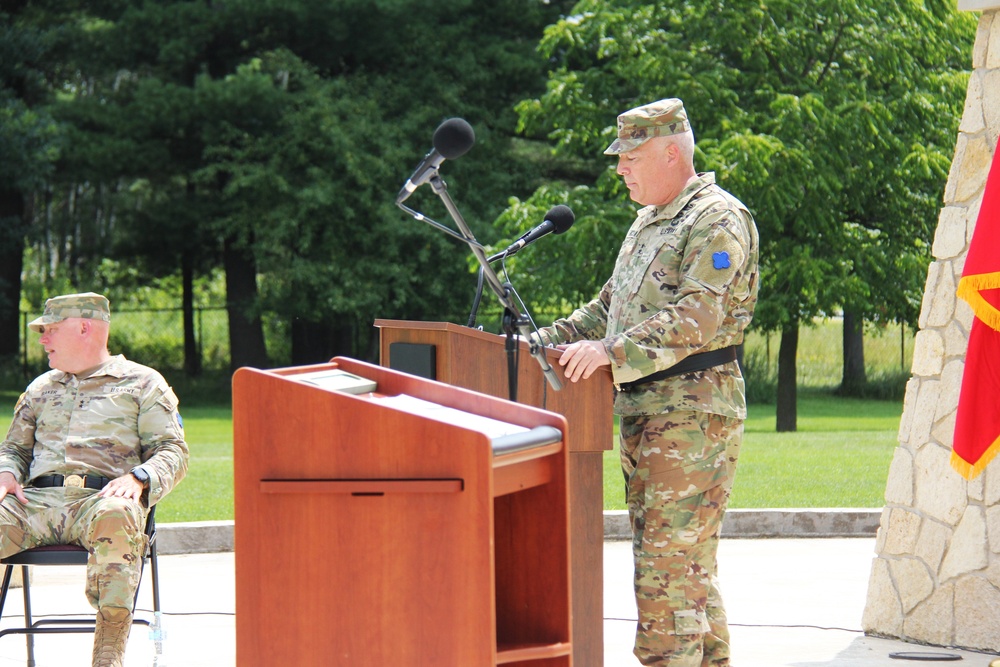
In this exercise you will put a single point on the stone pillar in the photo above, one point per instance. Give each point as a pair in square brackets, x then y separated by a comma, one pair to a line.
[936, 575]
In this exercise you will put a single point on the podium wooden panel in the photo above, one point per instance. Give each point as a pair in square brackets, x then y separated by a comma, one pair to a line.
[369, 535]
[477, 360]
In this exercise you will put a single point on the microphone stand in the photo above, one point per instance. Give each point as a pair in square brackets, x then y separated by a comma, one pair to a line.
[510, 346]
[476, 299]
[504, 291]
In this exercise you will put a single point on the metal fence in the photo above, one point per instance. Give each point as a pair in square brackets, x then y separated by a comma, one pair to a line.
[154, 337]
[819, 363]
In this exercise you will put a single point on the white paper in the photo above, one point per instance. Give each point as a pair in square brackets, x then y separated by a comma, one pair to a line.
[492, 428]
[336, 379]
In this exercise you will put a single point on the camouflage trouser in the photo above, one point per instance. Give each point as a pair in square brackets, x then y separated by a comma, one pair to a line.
[111, 529]
[679, 469]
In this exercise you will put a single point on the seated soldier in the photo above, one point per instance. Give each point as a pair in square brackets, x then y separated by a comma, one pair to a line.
[94, 443]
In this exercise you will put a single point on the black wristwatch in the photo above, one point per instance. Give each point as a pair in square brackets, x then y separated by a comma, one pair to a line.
[141, 475]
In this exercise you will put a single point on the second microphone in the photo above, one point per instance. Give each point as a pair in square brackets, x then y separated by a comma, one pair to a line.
[557, 220]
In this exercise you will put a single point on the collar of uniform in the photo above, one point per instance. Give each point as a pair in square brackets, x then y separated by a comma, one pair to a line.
[112, 367]
[96, 370]
[669, 211]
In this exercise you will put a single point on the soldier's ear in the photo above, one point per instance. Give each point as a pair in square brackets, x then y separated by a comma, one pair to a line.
[672, 150]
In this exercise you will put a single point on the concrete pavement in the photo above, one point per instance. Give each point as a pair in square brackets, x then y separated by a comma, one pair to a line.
[215, 536]
[791, 602]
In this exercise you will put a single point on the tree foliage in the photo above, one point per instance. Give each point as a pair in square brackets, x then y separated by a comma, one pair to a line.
[833, 121]
[29, 146]
[269, 139]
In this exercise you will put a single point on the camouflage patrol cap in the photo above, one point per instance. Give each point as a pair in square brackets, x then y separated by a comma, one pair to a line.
[656, 119]
[88, 306]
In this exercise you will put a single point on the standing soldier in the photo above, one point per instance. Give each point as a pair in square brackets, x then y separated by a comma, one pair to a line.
[668, 323]
[94, 443]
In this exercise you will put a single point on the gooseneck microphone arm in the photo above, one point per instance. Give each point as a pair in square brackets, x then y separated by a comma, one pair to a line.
[504, 292]
[452, 139]
[417, 215]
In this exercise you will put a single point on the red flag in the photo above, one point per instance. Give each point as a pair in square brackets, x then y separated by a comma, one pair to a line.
[977, 424]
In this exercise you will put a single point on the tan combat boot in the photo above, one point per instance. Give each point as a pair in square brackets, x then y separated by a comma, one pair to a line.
[110, 636]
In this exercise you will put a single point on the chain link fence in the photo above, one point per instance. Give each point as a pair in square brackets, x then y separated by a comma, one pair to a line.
[820, 359]
[819, 363]
[155, 337]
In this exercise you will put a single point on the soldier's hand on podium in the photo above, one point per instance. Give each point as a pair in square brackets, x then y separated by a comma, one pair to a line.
[582, 358]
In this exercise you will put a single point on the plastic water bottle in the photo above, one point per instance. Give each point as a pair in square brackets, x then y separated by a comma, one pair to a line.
[157, 635]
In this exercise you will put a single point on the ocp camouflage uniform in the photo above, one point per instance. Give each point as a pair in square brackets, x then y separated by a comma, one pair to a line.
[685, 282]
[113, 419]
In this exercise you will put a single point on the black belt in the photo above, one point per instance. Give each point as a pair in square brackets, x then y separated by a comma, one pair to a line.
[690, 364]
[79, 481]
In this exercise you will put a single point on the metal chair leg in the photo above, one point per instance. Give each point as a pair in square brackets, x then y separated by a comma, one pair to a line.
[5, 586]
[155, 573]
[28, 637]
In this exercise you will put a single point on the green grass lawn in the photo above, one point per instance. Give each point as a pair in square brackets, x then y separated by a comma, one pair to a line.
[206, 494]
[839, 457]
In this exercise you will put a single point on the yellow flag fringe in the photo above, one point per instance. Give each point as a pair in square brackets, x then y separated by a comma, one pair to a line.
[969, 288]
[972, 470]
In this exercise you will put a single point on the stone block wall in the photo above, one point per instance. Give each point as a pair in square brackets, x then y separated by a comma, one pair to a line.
[936, 576]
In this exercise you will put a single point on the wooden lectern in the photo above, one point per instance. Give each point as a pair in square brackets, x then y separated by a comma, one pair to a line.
[477, 360]
[414, 524]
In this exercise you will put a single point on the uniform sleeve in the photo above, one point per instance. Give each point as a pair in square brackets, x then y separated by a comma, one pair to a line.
[685, 316]
[164, 451]
[16, 450]
[589, 322]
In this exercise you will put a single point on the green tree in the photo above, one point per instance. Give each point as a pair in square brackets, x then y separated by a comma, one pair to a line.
[29, 144]
[834, 121]
[271, 138]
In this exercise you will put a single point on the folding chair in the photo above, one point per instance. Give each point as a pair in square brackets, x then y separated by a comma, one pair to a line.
[68, 554]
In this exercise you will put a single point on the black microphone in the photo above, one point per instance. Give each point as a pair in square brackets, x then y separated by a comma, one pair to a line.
[452, 139]
[557, 220]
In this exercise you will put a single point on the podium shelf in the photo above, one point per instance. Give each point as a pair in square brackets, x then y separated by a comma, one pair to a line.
[508, 654]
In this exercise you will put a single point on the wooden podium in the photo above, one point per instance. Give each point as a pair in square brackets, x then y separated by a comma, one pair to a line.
[398, 526]
[477, 360]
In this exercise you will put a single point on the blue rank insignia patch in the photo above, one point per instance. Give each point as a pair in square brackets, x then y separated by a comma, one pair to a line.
[720, 260]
